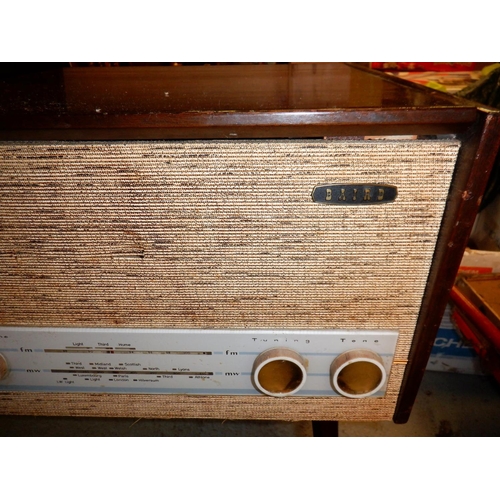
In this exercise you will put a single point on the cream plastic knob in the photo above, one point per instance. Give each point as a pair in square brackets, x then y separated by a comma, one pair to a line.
[358, 373]
[279, 372]
[4, 367]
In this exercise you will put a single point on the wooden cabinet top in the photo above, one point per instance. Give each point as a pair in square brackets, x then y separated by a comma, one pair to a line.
[221, 102]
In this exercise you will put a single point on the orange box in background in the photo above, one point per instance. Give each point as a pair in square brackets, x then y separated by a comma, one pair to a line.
[451, 353]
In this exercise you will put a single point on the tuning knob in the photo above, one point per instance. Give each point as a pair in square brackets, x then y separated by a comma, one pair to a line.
[358, 373]
[279, 372]
[4, 367]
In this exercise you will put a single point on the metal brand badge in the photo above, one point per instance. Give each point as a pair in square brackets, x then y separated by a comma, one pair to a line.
[354, 194]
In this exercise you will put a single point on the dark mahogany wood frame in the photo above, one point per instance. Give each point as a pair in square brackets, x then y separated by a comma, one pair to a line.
[39, 112]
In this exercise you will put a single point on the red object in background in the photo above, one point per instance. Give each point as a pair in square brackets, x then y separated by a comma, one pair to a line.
[479, 330]
[480, 321]
[490, 359]
[423, 66]
[475, 270]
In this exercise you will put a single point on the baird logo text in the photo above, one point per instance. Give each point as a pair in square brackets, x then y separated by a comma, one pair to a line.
[354, 194]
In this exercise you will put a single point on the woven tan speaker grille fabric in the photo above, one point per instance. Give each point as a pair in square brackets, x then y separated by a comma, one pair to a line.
[216, 234]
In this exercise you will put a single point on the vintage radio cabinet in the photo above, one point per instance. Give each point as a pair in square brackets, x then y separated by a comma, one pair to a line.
[236, 242]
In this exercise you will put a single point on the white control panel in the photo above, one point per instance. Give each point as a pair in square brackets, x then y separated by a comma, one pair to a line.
[212, 362]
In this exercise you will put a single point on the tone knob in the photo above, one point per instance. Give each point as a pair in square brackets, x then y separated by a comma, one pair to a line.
[4, 367]
[279, 372]
[358, 373]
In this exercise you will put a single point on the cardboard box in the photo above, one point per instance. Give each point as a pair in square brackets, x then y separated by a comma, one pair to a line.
[480, 262]
[451, 353]
[483, 290]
